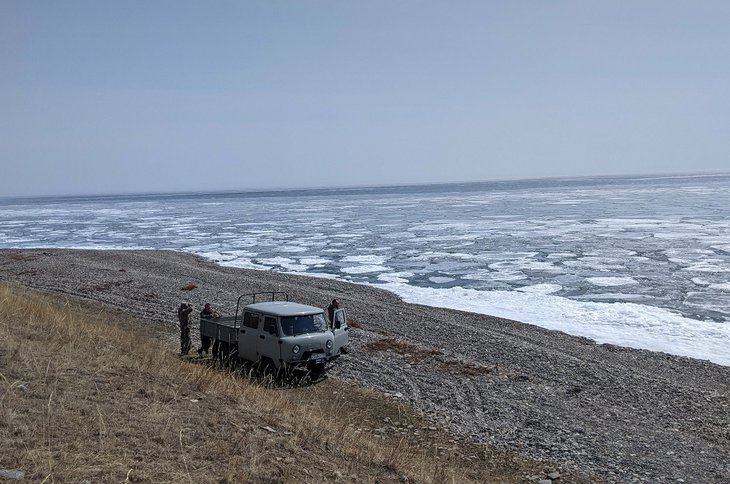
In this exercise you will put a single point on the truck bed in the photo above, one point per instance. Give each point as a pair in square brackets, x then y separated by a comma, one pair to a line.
[222, 329]
[225, 321]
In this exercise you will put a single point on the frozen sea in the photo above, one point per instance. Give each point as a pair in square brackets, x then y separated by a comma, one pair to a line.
[635, 261]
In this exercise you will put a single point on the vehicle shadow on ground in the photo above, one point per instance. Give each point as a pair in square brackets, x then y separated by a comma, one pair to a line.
[260, 374]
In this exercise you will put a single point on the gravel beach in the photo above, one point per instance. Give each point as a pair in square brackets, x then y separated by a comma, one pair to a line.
[628, 415]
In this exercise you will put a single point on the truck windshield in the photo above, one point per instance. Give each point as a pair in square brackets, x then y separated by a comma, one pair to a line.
[312, 323]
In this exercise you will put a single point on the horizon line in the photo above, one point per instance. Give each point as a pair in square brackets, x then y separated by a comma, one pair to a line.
[255, 191]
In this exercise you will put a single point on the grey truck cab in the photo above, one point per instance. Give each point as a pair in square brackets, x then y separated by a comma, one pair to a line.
[285, 334]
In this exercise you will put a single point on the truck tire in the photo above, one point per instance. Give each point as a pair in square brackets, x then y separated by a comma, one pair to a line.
[268, 368]
[227, 354]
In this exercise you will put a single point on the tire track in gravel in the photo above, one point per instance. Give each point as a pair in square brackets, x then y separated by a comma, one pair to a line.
[391, 378]
[477, 404]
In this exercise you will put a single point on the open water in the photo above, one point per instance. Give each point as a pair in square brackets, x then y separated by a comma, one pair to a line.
[635, 261]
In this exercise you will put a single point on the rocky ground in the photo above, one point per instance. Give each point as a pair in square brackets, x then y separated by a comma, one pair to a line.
[628, 415]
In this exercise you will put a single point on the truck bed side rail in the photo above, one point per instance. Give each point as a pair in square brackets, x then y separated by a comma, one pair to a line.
[253, 295]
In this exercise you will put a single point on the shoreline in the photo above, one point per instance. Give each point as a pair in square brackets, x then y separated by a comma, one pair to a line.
[679, 337]
[619, 412]
[714, 352]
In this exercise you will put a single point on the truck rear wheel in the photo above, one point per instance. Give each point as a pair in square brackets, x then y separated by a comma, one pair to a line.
[227, 354]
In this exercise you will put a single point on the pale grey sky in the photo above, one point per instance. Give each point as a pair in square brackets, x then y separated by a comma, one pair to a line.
[139, 96]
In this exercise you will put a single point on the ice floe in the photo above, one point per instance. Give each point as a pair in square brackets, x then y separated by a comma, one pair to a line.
[612, 281]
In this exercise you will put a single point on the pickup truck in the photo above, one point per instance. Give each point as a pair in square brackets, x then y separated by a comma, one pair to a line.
[281, 333]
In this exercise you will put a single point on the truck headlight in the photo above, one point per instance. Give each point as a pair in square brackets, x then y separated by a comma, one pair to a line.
[295, 349]
[329, 344]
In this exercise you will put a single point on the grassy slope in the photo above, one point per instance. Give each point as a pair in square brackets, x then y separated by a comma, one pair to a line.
[86, 393]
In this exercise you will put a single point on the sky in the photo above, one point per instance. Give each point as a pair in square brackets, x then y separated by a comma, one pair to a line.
[175, 96]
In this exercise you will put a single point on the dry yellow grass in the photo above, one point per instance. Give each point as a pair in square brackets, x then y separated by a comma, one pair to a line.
[88, 394]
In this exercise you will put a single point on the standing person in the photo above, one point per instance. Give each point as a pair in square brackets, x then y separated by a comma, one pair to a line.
[334, 305]
[206, 313]
[183, 315]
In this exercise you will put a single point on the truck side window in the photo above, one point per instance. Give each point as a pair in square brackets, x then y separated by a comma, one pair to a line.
[251, 320]
[270, 325]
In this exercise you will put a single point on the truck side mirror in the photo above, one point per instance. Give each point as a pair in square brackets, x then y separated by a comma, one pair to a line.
[338, 324]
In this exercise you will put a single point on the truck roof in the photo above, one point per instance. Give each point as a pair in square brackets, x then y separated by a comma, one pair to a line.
[284, 308]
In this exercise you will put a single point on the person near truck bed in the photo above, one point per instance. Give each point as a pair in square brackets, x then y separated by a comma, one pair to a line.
[207, 313]
[183, 315]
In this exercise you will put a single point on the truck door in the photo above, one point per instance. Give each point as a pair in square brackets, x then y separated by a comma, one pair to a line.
[268, 343]
[340, 330]
[248, 336]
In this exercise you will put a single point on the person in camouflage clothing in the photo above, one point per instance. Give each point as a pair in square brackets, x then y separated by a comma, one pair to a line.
[183, 315]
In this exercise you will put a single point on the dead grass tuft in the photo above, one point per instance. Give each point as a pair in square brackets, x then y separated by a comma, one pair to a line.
[412, 352]
[415, 354]
[22, 257]
[354, 323]
[107, 285]
[468, 369]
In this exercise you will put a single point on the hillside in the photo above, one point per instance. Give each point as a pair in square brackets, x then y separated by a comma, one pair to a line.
[91, 394]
